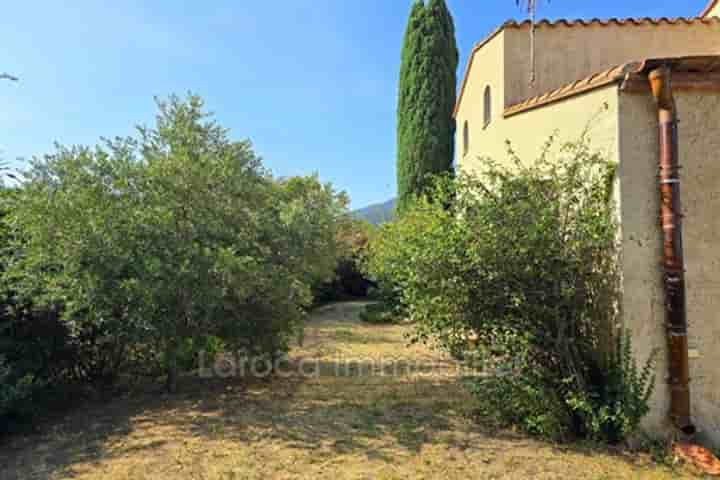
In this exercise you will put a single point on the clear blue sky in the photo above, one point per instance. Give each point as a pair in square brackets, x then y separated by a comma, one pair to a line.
[311, 82]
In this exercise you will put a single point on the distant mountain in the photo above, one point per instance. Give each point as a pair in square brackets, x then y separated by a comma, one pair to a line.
[377, 213]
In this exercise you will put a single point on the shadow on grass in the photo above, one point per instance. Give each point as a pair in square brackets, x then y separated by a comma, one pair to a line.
[342, 414]
[347, 413]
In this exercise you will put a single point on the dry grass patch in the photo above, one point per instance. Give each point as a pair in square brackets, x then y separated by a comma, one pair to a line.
[343, 423]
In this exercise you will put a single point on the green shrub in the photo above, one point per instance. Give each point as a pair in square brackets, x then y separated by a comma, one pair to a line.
[35, 348]
[519, 263]
[378, 313]
[611, 409]
[203, 349]
[522, 402]
[15, 392]
[349, 280]
[138, 247]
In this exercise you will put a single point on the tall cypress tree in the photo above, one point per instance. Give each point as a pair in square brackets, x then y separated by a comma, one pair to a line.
[428, 78]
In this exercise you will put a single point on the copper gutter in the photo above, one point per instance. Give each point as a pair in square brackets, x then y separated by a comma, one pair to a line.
[673, 261]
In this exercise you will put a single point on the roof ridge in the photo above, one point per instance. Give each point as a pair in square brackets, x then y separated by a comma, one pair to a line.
[635, 21]
[604, 22]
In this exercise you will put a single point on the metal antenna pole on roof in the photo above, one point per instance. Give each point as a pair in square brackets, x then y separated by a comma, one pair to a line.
[531, 6]
[532, 10]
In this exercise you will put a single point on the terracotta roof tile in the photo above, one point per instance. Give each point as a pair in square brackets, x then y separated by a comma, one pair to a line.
[592, 82]
[564, 22]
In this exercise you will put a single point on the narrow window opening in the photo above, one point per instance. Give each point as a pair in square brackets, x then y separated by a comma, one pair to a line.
[466, 138]
[487, 110]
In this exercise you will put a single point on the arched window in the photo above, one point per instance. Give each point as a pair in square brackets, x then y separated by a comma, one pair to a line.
[466, 138]
[487, 107]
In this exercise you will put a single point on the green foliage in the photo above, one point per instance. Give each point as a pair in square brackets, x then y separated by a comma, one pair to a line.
[517, 267]
[659, 449]
[522, 402]
[379, 313]
[33, 345]
[348, 281]
[194, 352]
[612, 410]
[15, 392]
[141, 246]
[426, 98]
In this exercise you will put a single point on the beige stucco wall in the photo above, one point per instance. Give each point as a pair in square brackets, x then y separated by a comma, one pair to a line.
[566, 54]
[642, 303]
[624, 127]
[471, 108]
[528, 132]
[563, 54]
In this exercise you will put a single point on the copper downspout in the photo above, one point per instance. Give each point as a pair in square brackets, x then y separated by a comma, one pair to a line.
[673, 261]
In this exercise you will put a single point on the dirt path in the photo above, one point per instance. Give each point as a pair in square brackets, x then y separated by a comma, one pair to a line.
[331, 418]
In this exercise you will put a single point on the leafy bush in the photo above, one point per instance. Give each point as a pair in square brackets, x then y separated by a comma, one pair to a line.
[34, 346]
[609, 410]
[206, 348]
[379, 313]
[15, 392]
[517, 266]
[612, 410]
[521, 401]
[349, 280]
[137, 248]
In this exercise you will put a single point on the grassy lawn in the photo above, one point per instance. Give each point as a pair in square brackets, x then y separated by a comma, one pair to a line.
[337, 422]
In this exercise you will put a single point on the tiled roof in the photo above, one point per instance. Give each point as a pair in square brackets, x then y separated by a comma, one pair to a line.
[595, 22]
[620, 73]
[625, 22]
[592, 82]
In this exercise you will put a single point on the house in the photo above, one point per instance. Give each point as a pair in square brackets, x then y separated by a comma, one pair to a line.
[625, 82]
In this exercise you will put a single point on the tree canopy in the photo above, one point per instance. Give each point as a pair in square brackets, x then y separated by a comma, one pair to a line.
[428, 78]
[142, 244]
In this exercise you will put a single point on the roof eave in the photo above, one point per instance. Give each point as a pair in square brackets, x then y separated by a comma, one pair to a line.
[699, 73]
[703, 19]
[705, 13]
[522, 108]
[475, 49]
